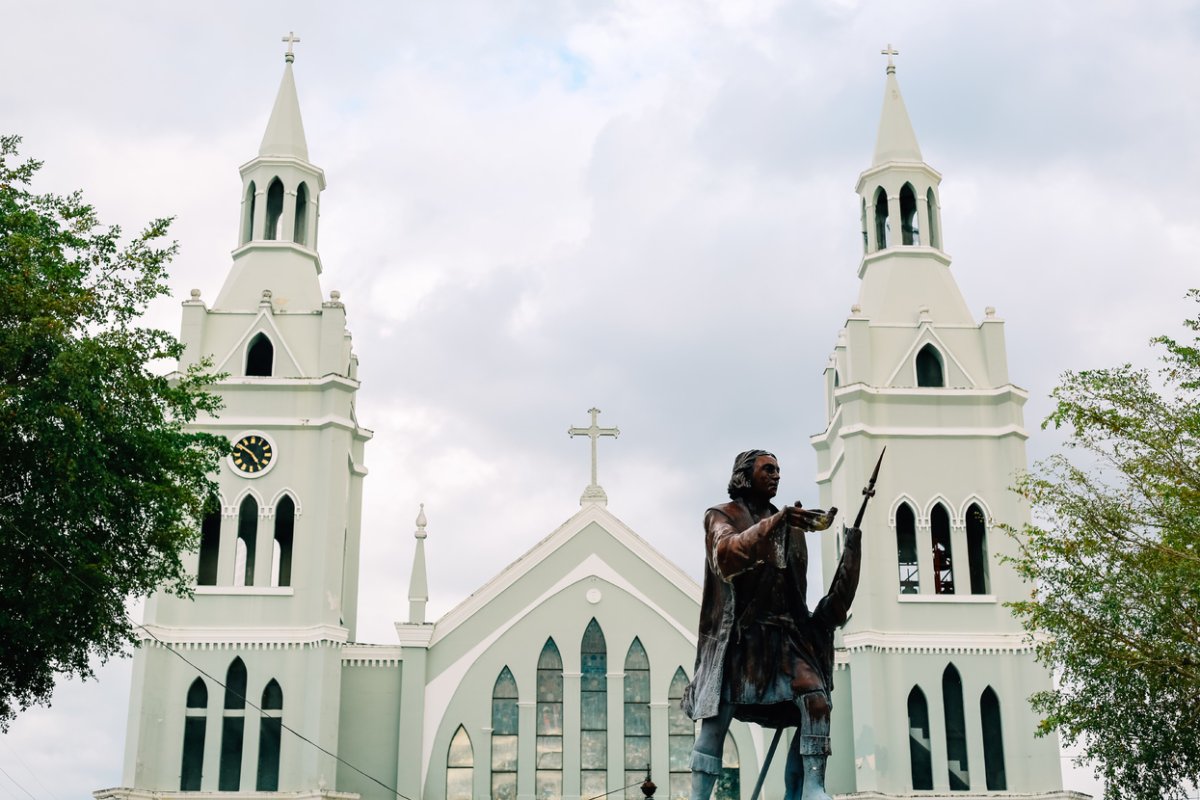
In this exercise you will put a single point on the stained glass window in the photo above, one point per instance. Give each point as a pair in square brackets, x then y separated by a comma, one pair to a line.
[548, 750]
[505, 722]
[593, 713]
[460, 766]
[681, 736]
[637, 717]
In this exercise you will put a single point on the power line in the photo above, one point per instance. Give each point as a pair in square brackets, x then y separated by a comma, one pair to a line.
[28, 769]
[17, 783]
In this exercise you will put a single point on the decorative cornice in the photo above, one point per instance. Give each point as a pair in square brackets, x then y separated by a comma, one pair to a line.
[226, 637]
[414, 635]
[929, 643]
[126, 793]
[372, 655]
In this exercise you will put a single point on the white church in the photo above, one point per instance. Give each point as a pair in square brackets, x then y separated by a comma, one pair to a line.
[561, 677]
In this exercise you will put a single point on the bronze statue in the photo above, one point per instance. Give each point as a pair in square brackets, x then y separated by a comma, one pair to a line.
[761, 655]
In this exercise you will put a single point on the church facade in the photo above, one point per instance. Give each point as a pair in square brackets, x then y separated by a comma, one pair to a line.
[561, 677]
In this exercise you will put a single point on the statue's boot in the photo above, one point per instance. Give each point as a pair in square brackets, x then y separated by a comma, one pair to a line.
[814, 779]
[705, 770]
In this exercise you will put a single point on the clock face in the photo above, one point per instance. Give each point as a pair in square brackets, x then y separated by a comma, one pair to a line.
[252, 454]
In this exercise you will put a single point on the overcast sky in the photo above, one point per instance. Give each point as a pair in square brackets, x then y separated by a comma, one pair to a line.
[537, 207]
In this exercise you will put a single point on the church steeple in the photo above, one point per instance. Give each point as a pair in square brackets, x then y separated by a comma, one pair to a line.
[896, 140]
[277, 236]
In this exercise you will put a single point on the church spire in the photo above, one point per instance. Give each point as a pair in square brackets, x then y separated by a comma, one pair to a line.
[418, 584]
[896, 140]
[285, 129]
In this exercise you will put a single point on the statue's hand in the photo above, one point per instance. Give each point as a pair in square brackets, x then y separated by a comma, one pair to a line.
[809, 519]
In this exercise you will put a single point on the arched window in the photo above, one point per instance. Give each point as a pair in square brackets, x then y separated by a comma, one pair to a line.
[460, 766]
[260, 357]
[906, 550]
[210, 544]
[935, 239]
[993, 743]
[243, 561]
[729, 783]
[637, 716]
[300, 236]
[956, 730]
[191, 767]
[548, 758]
[233, 726]
[248, 214]
[882, 225]
[919, 752]
[593, 713]
[929, 367]
[274, 209]
[943, 564]
[269, 733]
[864, 224]
[908, 216]
[505, 724]
[281, 557]
[977, 553]
[681, 737]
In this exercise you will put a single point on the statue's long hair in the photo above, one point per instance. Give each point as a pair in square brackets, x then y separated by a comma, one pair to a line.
[743, 470]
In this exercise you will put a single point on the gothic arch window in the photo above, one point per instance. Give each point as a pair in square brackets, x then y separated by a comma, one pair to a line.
[637, 717]
[300, 235]
[247, 535]
[993, 743]
[260, 357]
[929, 367]
[943, 563]
[919, 752]
[233, 727]
[882, 225]
[593, 712]
[935, 238]
[505, 724]
[977, 553]
[863, 218]
[729, 782]
[956, 730]
[681, 736]
[210, 544]
[460, 766]
[191, 767]
[274, 209]
[281, 555]
[269, 733]
[548, 759]
[906, 550]
[248, 211]
[909, 234]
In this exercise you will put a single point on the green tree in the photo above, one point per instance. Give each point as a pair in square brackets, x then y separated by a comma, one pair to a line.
[101, 482]
[1114, 554]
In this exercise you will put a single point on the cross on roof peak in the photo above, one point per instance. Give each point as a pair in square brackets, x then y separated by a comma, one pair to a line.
[593, 493]
[291, 39]
[889, 51]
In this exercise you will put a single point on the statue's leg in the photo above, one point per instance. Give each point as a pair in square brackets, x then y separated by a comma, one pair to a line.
[793, 776]
[811, 745]
[706, 754]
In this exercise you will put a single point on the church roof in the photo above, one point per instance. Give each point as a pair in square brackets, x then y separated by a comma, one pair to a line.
[896, 140]
[285, 129]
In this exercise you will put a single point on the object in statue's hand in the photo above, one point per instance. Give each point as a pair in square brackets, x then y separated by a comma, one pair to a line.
[809, 519]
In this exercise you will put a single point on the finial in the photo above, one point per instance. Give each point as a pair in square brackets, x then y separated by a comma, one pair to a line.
[989, 312]
[421, 522]
[856, 309]
[335, 296]
[195, 294]
[594, 493]
[291, 39]
[889, 52]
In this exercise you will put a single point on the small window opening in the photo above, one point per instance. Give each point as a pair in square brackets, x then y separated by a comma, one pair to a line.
[233, 725]
[548, 750]
[274, 209]
[243, 568]
[637, 716]
[269, 732]
[285, 527]
[977, 554]
[460, 767]
[248, 214]
[210, 545]
[260, 357]
[993, 742]
[863, 220]
[301, 228]
[906, 548]
[191, 768]
[943, 567]
[593, 712]
[919, 749]
[929, 367]
[882, 225]
[908, 216]
[956, 730]
[505, 724]
[935, 238]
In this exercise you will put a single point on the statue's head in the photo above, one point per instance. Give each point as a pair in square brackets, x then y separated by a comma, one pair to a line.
[741, 482]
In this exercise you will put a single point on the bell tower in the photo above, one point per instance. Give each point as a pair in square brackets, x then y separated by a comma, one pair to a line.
[933, 672]
[258, 648]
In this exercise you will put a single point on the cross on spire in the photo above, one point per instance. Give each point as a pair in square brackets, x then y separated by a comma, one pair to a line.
[889, 52]
[593, 493]
[291, 39]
